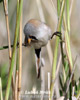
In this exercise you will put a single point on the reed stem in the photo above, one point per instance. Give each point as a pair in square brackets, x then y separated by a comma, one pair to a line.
[56, 50]
[7, 25]
[1, 94]
[14, 50]
[20, 59]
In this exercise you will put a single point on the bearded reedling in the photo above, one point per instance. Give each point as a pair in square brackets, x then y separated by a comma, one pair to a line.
[37, 34]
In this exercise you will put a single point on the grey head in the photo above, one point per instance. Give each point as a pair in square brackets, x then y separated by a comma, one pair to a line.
[38, 30]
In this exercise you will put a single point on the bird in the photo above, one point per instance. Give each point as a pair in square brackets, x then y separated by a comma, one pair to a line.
[37, 34]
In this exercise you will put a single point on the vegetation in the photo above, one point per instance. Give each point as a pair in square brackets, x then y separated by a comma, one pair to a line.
[63, 66]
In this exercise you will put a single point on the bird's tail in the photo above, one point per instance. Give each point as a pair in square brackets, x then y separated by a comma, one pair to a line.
[39, 71]
[38, 66]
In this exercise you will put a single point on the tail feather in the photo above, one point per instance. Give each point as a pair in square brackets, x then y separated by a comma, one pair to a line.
[39, 71]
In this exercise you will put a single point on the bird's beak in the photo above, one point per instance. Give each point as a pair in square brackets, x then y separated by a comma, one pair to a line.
[29, 40]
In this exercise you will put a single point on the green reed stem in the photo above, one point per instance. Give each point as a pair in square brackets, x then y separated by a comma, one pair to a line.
[56, 47]
[58, 7]
[14, 50]
[68, 15]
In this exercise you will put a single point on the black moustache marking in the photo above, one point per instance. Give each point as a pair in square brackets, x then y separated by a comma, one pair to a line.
[33, 37]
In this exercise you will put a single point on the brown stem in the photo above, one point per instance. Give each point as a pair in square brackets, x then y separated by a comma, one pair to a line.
[20, 60]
